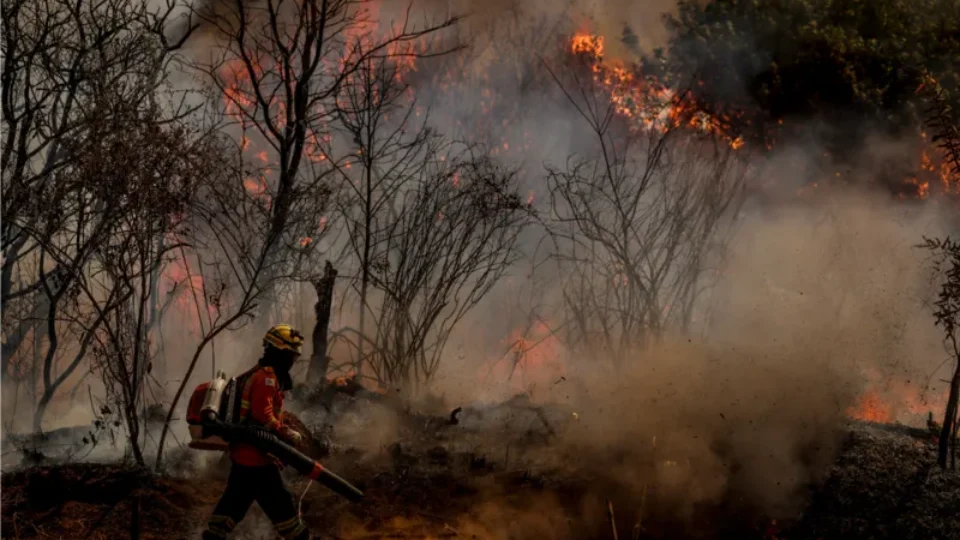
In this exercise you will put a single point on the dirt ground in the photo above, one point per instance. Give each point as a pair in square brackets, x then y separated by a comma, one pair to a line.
[442, 481]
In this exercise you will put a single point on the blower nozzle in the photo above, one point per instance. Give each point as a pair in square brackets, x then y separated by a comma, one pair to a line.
[270, 443]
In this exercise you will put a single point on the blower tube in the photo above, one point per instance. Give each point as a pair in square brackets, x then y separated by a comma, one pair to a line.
[270, 443]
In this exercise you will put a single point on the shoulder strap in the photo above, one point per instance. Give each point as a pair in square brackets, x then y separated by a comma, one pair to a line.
[245, 389]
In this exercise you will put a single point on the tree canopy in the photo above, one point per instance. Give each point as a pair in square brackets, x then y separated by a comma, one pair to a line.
[850, 63]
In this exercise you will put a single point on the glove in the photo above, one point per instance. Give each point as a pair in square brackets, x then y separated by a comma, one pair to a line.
[292, 436]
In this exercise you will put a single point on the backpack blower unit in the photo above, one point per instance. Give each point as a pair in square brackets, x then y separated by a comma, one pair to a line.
[214, 418]
[211, 402]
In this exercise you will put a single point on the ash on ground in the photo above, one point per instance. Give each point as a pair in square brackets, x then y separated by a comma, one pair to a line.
[488, 471]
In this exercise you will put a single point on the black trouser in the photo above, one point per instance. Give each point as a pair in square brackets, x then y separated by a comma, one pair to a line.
[261, 484]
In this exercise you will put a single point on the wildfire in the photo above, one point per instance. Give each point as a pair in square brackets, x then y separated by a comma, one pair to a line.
[934, 166]
[889, 400]
[533, 359]
[350, 382]
[187, 288]
[934, 175]
[650, 104]
[255, 186]
[586, 43]
[923, 188]
[871, 408]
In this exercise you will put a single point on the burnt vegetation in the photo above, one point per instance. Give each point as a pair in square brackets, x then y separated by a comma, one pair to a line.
[179, 177]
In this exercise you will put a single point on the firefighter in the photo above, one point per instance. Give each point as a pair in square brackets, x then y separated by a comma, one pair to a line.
[255, 475]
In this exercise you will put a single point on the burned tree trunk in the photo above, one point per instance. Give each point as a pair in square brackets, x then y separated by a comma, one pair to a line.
[317, 372]
[953, 447]
[947, 431]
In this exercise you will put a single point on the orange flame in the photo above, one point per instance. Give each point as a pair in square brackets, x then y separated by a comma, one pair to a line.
[534, 360]
[255, 187]
[650, 105]
[892, 399]
[871, 408]
[187, 287]
[646, 101]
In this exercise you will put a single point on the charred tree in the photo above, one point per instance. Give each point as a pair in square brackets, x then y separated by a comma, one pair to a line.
[956, 418]
[948, 433]
[317, 373]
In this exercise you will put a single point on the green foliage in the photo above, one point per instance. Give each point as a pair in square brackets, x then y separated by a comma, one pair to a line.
[947, 305]
[835, 60]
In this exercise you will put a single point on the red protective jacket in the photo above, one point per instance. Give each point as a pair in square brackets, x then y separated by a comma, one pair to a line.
[261, 404]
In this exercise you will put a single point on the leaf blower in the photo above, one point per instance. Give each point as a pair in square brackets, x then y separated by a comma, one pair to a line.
[213, 414]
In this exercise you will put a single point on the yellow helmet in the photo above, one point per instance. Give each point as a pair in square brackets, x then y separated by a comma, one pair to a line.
[284, 337]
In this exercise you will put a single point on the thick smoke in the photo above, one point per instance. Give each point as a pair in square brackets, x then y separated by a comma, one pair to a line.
[819, 292]
[606, 17]
[815, 296]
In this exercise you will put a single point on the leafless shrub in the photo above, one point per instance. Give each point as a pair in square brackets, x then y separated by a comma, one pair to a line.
[151, 173]
[638, 222]
[430, 226]
[454, 237]
[71, 69]
[280, 67]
